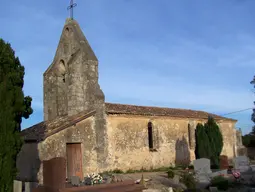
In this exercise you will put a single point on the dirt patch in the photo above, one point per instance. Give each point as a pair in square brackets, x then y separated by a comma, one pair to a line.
[157, 180]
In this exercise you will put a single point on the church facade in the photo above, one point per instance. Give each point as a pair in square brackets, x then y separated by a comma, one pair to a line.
[95, 136]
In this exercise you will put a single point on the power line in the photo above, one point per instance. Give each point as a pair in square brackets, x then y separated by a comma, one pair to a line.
[238, 111]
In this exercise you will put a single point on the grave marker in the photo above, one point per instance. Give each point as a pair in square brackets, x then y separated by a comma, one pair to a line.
[241, 163]
[17, 186]
[202, 170]
[224, 162]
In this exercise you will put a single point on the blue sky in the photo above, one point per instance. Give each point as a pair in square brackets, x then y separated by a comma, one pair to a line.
[173, 53]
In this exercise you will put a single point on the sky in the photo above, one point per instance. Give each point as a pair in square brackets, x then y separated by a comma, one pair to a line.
[172, 53]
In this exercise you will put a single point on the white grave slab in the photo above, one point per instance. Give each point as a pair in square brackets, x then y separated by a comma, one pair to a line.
[202, 168]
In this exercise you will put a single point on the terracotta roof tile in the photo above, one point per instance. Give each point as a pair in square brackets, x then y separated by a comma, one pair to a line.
[112, 108]
[44, 129]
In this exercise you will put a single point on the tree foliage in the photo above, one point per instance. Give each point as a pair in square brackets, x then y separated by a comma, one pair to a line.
[13, 106]
[253, 114]
[209, 141]
[248, 140]
[215, 139]
[202, 149]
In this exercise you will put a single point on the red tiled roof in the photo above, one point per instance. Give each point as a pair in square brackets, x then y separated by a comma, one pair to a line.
[112, 108]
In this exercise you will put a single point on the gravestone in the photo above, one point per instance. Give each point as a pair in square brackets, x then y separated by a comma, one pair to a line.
[202, 170]
[241, 163]
[224, 162]
[54, 173]
[176, 179]
[17, 186]
[75, 180]
[29, 186]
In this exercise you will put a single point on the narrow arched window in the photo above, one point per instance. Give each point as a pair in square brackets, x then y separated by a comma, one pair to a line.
[189, 134]
[62, 69]
[150, 135]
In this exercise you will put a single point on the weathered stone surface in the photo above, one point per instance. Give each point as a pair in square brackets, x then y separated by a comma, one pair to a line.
[71, 84]
[71, 81]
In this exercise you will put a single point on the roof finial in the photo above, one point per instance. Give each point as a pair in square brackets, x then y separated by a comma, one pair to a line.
[70, 7]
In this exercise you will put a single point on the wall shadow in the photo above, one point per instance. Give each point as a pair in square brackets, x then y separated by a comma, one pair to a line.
[182, 153]
[28, 162]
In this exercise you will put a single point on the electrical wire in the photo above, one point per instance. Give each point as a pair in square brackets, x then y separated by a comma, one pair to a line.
[238, 111]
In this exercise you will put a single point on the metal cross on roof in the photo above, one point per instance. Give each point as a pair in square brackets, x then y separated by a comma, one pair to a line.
[70, 7]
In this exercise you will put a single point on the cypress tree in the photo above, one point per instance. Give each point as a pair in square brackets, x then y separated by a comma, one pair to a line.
[215, 140]
[202, 149]
[13, 106]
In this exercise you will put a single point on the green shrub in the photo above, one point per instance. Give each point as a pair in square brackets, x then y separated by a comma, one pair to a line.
[160, 169]
[117, 171]
[130, 171]
[191, 166]
[180, 167]
[170, 173]
[178, 190]
[209, 141]
[220, 182]
[188, 179]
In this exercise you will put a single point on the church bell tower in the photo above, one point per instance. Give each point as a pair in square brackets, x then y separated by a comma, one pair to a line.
[70, 83]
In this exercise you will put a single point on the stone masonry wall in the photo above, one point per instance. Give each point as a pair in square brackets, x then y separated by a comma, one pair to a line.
[71, 81]
[128, 141]
[229, 138]
[28, 162]
[55, 145]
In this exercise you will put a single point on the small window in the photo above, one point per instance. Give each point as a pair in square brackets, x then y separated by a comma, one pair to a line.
[150, 135]
[189, 134]
[62, 69]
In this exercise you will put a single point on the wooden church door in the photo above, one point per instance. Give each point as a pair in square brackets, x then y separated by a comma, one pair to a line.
[74, 160]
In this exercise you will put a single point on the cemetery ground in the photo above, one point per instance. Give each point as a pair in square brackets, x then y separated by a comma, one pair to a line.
[159, 181]
[171, 178]
[197, 177]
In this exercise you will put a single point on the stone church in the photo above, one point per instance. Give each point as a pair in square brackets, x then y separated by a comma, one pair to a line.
[95, 136]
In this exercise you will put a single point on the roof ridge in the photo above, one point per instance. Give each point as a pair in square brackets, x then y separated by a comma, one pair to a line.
[145, 106]
[116, 108]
